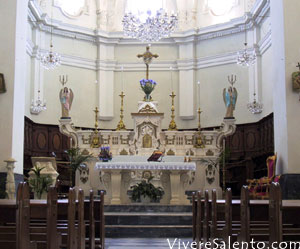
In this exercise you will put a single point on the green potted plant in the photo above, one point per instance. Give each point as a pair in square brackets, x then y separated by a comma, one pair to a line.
[39, 183]
[76, 158]
[146, 192]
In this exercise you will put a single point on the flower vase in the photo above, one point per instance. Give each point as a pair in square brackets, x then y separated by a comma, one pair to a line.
[148, 97]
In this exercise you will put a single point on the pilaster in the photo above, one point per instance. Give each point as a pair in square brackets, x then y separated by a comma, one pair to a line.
[285, 45]
[13, 26]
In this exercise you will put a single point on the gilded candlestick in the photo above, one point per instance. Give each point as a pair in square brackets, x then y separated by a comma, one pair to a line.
[198, 137]
[172, 125]
[96, 118]
[95, 140]
[121, 126]
[199, 123]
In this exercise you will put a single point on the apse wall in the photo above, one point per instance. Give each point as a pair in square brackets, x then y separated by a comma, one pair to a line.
[210, 56]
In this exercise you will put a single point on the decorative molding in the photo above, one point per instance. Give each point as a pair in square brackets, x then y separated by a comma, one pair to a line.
[265, 43]
[29, 47]
[235, 25]
[181, 64]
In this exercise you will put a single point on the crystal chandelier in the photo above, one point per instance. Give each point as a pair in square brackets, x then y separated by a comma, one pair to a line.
[38, 105]
[245, 58]
[50, 60]
[255, 107]
[152, 29]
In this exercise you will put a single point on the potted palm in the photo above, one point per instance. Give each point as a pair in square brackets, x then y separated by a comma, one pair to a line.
[146, 192]
[76, 158]
[39, 183]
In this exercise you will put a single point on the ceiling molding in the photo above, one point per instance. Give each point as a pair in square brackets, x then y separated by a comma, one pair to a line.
[236, 25]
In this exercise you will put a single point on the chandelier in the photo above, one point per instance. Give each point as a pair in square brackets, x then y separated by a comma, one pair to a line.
[255, 107]
[152, 29]
[38, 105]
[50, 60]
[245, 58]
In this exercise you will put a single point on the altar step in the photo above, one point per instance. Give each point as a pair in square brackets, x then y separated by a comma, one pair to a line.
[148, 221]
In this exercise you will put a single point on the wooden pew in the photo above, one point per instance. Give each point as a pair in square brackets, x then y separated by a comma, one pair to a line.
[102, 221]
[275, 214]
[206, 217]
[244, 219]
[23, 218]
[53, 237]
[244, 235]
[213, 227]
[53, 224]
[198, 218]
[92, 221]
[194, 207]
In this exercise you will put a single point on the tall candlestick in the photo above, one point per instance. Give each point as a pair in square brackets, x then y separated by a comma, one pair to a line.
[172, 87]
[122, 78]
[198, 93]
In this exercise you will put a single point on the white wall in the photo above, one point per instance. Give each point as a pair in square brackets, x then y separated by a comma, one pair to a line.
[212, 60]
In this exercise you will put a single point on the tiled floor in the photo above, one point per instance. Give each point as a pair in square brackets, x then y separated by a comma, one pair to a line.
[132, 243]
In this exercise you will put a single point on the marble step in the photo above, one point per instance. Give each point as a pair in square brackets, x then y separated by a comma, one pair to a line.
[148, 231]
[148, 218]
[148, 208]
[145, 243]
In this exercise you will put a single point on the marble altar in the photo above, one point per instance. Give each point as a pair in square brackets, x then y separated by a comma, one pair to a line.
[130, 149]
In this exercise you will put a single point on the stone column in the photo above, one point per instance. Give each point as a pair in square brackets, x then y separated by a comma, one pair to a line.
[285, 17]
[175, 186]
[116, 187]
[13, 26]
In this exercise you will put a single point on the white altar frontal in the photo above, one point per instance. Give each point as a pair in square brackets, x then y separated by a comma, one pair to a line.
[130, 150]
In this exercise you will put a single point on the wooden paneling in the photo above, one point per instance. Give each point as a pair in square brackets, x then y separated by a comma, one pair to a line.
[43, 140]
[249, 147]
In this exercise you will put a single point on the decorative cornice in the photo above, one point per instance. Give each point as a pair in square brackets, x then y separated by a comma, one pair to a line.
[216, 60]
[237, 25]
[265, 43]
[181, 64]
[29, 47]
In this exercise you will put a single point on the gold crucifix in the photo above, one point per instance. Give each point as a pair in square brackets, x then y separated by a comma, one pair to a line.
[147, 57]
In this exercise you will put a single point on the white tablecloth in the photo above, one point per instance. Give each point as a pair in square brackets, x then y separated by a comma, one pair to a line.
[146, 165]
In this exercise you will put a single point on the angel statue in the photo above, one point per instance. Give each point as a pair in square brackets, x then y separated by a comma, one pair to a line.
[66, 98]
[230, 98]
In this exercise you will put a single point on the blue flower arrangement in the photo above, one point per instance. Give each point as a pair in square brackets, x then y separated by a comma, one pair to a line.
[105, 154]
[147, 86]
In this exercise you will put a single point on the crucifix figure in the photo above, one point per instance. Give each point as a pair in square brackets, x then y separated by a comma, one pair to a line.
[147, 57]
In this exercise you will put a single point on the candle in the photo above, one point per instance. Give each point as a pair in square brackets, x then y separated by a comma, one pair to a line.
[198, 93]
[172, 87]
[122, 78]
[70, 142]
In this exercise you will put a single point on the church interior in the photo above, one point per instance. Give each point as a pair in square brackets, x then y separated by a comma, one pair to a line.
[154, 124]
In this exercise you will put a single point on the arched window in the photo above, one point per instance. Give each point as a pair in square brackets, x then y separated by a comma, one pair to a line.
[220, 7]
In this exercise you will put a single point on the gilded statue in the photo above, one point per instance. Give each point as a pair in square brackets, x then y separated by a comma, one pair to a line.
[230, 98]
[66, 98]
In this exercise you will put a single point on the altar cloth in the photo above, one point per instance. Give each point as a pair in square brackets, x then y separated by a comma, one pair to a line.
[146, 166]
